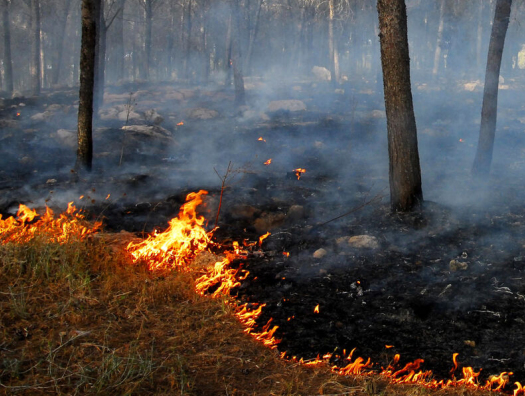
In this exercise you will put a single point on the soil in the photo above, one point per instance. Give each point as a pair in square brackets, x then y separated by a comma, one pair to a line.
[447, 280]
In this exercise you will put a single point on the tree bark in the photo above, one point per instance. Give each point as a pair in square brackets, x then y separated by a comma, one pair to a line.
[100, 64]
[489, 110]
[36, 80]
[60, 44]
[253, 36]
[332, 51]
[404, 174]
[8, 61]
[90, 16]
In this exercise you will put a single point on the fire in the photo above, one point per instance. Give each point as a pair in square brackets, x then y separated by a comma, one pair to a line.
[28, 225]
[261, 139]
[268, 162]
[185, 237]
[18, 114]
[263, 237]
[299, 172]
[180, 243]
[461, 140]
[180, 123]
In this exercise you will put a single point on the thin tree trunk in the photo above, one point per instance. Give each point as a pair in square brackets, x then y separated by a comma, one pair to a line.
[36, 80]
[90, 18]
[333, 61]
[437, 52]
[479, 39]
[489, 110]
[61, 39]
[405, 174]
[238, 78]
[100, 48]
[253, 36]
[8, 62]
[147, 40]
[171, 43]
[189, 23]
[228, 54]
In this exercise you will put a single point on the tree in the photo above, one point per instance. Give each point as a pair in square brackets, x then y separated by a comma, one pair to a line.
[90, 16]
[238, 78]
[489, 110]
[405, 174]
[36, 68]
[8, 62]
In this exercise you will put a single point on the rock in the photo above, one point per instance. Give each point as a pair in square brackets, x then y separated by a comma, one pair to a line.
[174, 95]
[202, 113]
[320, 253]
[269, 221]
[363, 241]
[377, 114]
[152, 116]
[471, 86]
[342, 240]
[153, 131]
[67, 138]
[40, 117]
[286, 105]
[295, 213]
[244, 212]
[456, 265]
[321, 73]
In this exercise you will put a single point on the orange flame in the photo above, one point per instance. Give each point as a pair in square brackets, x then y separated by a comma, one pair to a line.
[263, 237]
[268, 162]
[180, 123]
[261, 139]
[29, 224]
[298, 172]
[178, 245]
[316, 309]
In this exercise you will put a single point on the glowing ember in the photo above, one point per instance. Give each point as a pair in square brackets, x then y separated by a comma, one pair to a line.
[461, 140]
[109, 195]
[299, 172]
[18, 114]
[180, 123]
[268, 162]
[29, 224]
[286, 254]
[261, 139]
[316, 309]
[178, 245]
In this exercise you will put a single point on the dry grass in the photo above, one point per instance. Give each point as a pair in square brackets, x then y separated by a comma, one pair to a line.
[79, 319]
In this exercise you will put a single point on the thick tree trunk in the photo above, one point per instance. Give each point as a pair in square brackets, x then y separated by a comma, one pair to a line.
[238, 78]
[90, 8]
[36, 68]
[489, 110]
[8, 62]
[405, 173]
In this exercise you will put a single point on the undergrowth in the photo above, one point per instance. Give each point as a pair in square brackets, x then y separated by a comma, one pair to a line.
[78, 318]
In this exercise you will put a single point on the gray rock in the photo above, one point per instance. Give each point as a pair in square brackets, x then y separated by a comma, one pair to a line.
[363, 241]
[291, 105]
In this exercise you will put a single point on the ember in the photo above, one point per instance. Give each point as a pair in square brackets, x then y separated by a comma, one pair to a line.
[299, 172]
[268, 162]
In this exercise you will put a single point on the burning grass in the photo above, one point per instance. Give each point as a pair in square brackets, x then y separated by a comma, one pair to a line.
[77, 318]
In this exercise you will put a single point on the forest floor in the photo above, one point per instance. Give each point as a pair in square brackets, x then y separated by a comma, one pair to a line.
[448, 280]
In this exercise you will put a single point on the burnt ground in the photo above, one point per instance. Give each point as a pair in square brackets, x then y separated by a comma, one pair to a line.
[447, 280]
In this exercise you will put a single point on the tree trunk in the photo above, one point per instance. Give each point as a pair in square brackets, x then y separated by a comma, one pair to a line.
[405, 173]
[100, 65]
[487, 131]
[188, 27]
[479, 38]
[60, 44]
[332, 51]
[171, 43]
[437, 52]
[238, 78]
[228, 54]
[36, 82]
[253, 36]
[8, 62]
[147, 40]
[90, 16]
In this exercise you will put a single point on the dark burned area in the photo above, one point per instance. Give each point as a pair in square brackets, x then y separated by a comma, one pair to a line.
[406, 292]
